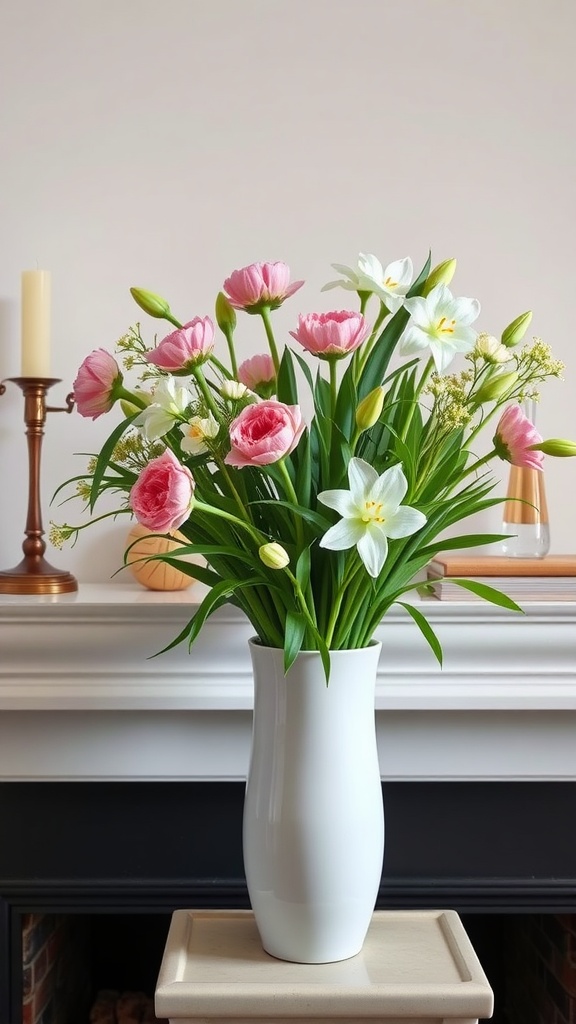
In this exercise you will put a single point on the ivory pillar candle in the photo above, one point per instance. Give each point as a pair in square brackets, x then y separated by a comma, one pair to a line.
[36, 295]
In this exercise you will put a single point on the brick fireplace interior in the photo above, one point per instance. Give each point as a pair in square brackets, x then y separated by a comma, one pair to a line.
[90, 873]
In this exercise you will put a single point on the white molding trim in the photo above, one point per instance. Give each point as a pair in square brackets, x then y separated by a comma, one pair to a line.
[84, 661]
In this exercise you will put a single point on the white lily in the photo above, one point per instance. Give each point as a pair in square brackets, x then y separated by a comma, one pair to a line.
[441, 323]
[170, 402]
[195, 433]
[390, 283]
[350, 279]
[371, 512]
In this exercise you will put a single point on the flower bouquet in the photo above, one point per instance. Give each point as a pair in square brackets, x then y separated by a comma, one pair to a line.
[315, 529]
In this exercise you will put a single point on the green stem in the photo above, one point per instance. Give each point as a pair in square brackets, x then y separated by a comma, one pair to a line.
[426, 373]
[232, 353]
[349, 574]
[365, 349]
[213, 511]
[224, 470]
[332, 363]
[265, 314]
[205, 391]
[293, 497]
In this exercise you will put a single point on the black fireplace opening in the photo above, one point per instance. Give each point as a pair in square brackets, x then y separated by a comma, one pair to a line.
[104, 865]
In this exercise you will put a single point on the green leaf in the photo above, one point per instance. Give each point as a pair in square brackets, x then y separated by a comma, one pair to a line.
[218, 595]
[286, 387]
[487, 593]
[105, 456]
[293, 637]
[425, 628]
[468, 540]
[305, 513]
[303, 568]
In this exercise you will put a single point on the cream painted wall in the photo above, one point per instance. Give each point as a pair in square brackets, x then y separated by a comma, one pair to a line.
[166, 143]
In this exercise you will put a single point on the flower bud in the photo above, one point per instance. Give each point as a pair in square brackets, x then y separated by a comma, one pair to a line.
[369, 409]
[225, 314]
[151, 303]
[274, 556]
[495, 388]
[129, 408]
[557, 446]
[441, 274]
[515, 331]
[234, 390]
[489, 348]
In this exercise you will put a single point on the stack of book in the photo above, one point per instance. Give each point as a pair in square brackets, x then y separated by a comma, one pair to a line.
[552, 578]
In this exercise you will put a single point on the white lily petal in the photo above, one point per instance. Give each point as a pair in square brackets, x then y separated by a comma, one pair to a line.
[343, 535]
[348, 272]
[400, 271]
[392, 301]
[465, 311]
[442, 354]
[389, 489]
[373, 549]
[463, 339]
[417, 309]
[370, 266]
[413, 341]
[341, 501]
[405, 522]
[154, 422]
[362, 477]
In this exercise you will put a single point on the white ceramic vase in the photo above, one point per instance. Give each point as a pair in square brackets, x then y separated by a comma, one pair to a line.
[313, 830]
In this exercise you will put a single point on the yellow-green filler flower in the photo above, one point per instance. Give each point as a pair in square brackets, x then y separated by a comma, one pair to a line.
[371, 512]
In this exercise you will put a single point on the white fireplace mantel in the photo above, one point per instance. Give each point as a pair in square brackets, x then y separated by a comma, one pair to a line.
[83, 697]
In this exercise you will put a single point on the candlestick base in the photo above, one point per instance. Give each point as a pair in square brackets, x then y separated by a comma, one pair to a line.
[36, 576]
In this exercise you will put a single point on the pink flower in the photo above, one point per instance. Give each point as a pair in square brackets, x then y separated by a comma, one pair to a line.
[258, 374]
[514, 434]
[186, 347]
[96, 384]
[163, 494]
[260, 284]
[264, 433]
[331, 334]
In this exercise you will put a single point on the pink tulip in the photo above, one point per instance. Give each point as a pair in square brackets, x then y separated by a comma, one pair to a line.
[258, 374]
[189, 346]
[96, 383]
[330, 335]
[514, 435]
[162, 496]
[260, 284]
[264, 433]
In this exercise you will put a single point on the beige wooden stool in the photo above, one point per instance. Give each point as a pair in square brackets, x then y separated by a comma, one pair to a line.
[417, 967]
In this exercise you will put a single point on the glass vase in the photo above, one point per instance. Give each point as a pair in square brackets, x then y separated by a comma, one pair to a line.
[525, 511]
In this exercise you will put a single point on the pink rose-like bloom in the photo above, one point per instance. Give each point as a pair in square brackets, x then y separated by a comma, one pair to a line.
[264, 433]
[96, 383]
[163, 494]
[331, 334]
[514, 434]
[258, 374]
[186, 347]
[260, 284]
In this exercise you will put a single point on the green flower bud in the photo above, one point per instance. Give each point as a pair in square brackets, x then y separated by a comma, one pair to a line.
[495, 388]
[152, 304]
[225, 314]
[515, 331]
[274, 556]
[442, 274]
[129, 408]
[369, 409]
[556, 446]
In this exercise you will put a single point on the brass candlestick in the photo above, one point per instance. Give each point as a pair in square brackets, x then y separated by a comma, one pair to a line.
[34, 575]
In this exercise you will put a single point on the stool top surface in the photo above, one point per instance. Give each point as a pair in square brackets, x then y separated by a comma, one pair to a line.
[411, 961]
